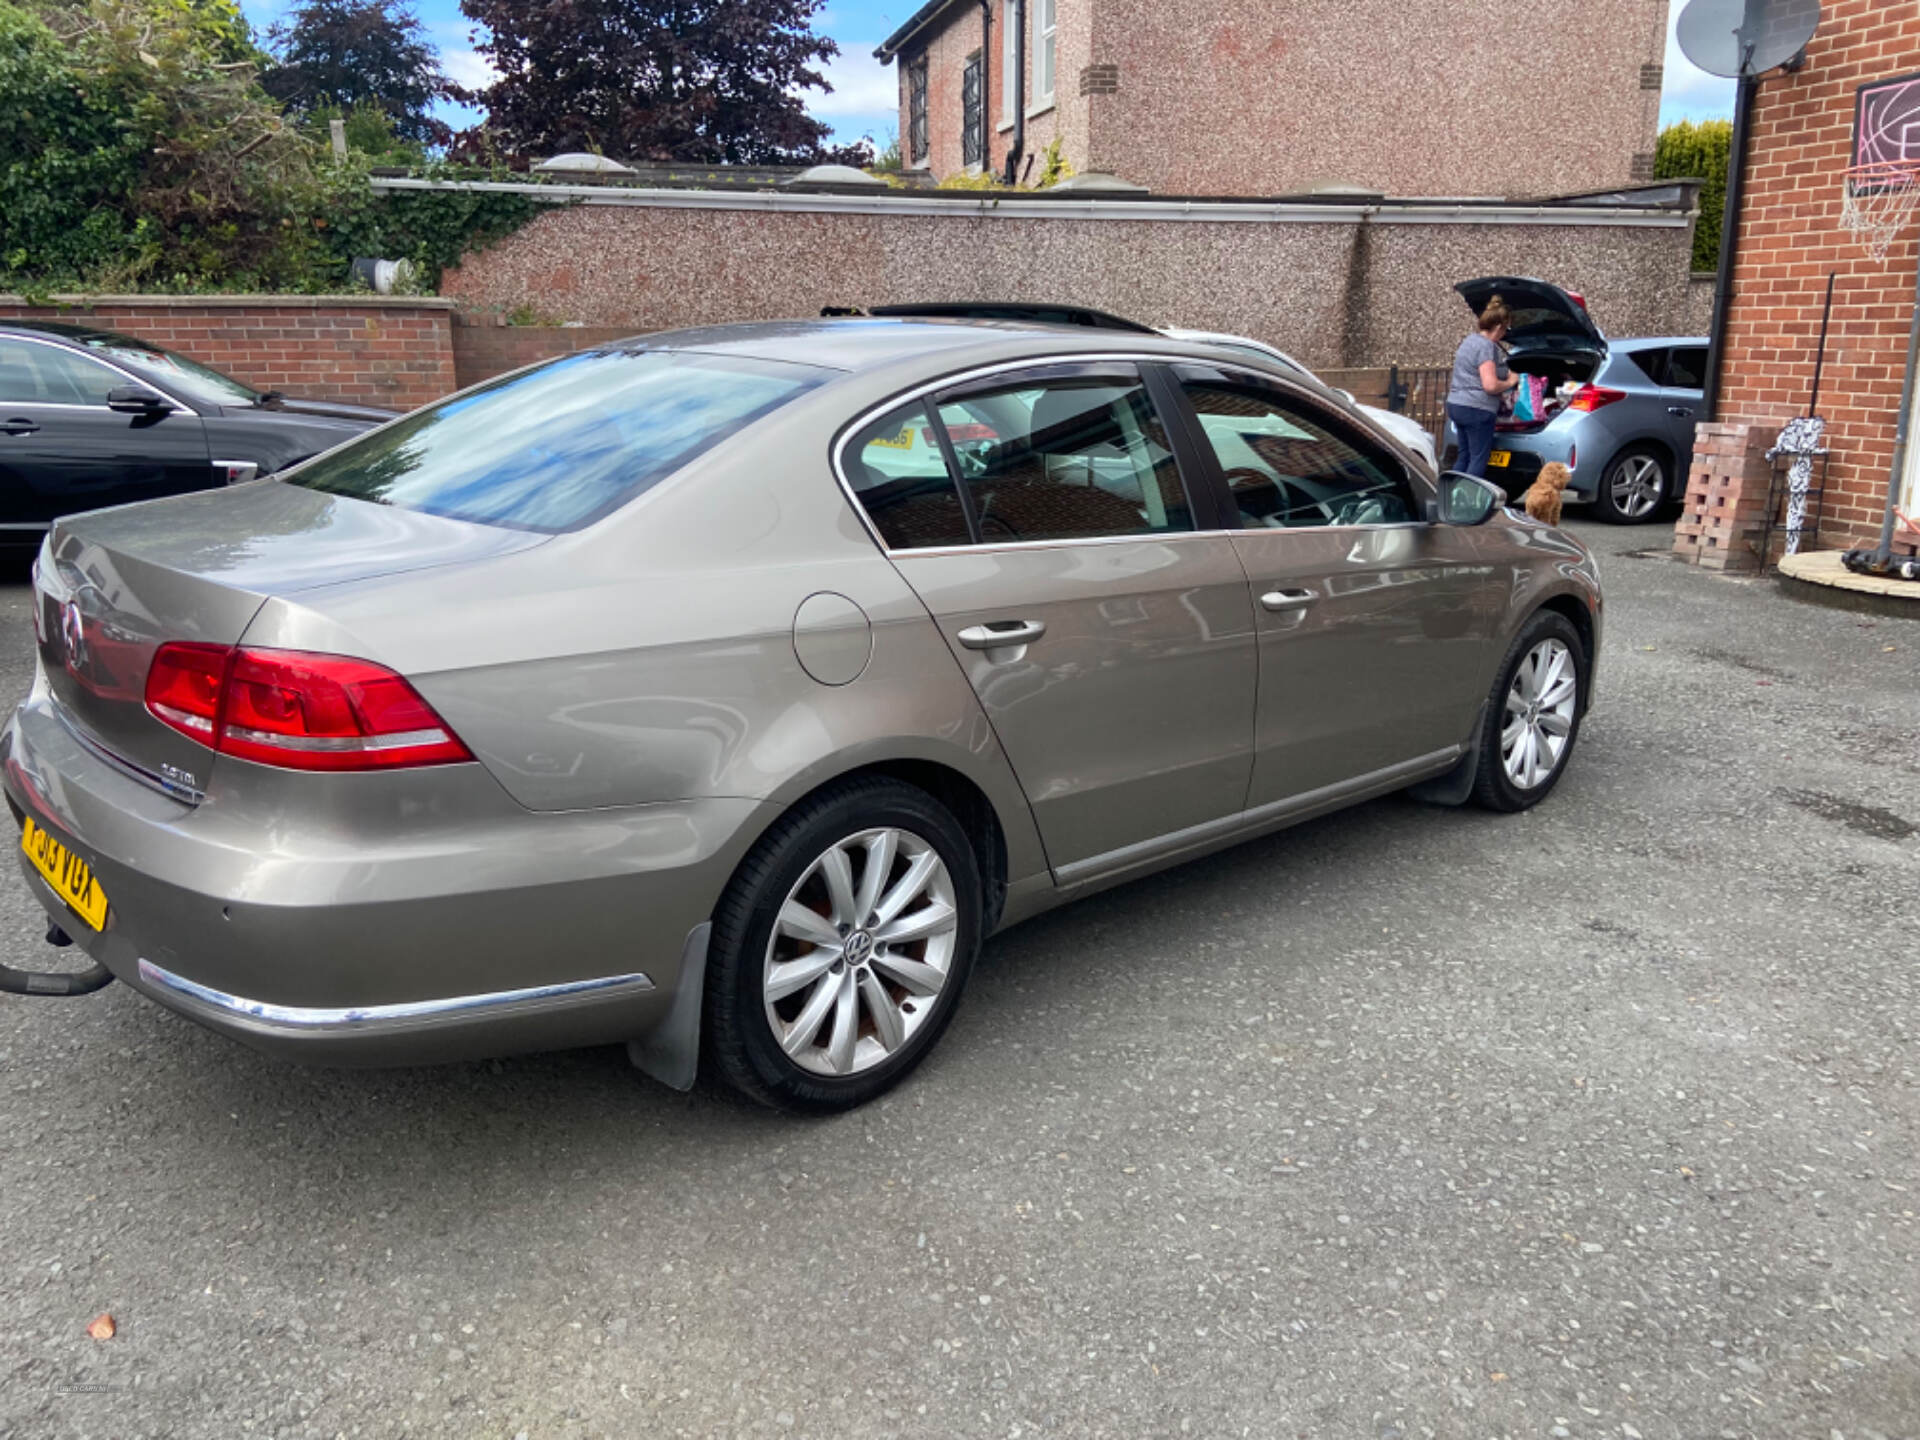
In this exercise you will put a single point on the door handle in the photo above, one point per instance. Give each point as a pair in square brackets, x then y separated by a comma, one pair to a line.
[1681, 410]
[1001, 634]
[1287, 599]
[18, 427]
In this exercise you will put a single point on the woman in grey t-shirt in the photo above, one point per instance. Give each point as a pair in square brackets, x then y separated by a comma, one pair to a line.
[1480, 378]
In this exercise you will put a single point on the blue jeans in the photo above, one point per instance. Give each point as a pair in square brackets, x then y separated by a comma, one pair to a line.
[1475, 429]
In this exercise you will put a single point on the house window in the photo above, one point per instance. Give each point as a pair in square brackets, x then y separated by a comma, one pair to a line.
[1009, 57]
[973, 113]
[1043, 53]
[917, 111]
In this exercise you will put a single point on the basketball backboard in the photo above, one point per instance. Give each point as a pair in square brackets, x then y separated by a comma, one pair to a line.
[1886, 121]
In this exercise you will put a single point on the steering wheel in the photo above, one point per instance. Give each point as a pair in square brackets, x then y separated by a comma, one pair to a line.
[1292, 498]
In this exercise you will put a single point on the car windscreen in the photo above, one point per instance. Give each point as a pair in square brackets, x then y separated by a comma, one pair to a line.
[558, 447]
[179, 374]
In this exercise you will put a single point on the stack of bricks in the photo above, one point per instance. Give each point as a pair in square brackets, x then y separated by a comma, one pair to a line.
[1727, 492]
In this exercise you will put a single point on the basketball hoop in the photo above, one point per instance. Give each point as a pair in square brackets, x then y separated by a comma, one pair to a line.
[1879, 203]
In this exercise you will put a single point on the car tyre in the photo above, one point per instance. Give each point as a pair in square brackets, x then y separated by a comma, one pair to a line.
[1633, 487]
[814, 1003]
[1533, 715]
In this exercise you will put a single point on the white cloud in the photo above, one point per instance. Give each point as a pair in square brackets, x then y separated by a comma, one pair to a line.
[468, 68]
[862, 86]
[1689, 92]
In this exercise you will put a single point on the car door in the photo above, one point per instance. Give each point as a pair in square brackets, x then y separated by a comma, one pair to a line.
[1682, 393]
[1106, 629]
[63, 450]
[1376, 627]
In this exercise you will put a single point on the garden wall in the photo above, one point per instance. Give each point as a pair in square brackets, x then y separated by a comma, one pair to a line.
[364, 349]
[1336, 285]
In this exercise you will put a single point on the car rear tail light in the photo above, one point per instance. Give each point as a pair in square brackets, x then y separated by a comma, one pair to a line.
[297, 710]
[1594, 397]
[1579, 300]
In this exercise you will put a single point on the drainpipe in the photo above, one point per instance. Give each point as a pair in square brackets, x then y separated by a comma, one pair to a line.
[1729, 242]
[1019, 81]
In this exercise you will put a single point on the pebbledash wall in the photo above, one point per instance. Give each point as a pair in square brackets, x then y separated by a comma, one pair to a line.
[1336, 285]
[1790, 239]
[1448, 97]
[369, 350]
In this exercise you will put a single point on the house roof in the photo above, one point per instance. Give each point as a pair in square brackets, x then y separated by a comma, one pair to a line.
[918, 21]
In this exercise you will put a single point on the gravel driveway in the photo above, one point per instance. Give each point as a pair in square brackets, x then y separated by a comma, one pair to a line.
[1599, 1121]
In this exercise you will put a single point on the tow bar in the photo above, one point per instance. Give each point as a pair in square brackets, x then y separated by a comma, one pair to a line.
[35, 982]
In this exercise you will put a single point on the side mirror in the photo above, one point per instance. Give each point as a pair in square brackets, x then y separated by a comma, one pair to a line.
[135, 400]
[1466, 500]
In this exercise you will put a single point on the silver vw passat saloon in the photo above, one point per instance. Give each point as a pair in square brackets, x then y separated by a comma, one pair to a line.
[720, 692]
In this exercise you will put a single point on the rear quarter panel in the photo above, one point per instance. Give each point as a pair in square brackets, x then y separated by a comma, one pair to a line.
[651, 657]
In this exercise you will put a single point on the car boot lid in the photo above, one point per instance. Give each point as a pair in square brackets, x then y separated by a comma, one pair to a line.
[113, 586]
[1543, 313]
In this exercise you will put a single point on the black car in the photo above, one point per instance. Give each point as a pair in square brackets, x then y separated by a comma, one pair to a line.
[89, 418]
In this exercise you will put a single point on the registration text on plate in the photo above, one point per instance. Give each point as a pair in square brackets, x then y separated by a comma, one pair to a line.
[67, 873]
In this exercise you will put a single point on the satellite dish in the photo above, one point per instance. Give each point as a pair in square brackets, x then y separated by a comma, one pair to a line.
[1740, 39]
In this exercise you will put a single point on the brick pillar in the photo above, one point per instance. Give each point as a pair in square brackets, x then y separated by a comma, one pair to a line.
[1727, 490]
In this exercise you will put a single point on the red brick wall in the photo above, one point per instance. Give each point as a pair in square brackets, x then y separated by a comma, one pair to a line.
[372, 351]
[1790, 238]
[481, 350]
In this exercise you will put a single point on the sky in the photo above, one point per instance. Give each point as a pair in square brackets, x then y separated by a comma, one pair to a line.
[863, 102]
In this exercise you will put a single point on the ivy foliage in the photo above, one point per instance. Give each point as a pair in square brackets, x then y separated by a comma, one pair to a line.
[1703, 150]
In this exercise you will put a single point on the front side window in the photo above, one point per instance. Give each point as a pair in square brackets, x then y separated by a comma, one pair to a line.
[176, 372]
[556, 448]
[900, 479]
[1043, 32]
[1687, 367]
[1288, 467]
[1065, 459]
[47, 375]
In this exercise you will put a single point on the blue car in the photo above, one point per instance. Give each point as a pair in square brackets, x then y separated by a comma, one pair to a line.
[1618, 413]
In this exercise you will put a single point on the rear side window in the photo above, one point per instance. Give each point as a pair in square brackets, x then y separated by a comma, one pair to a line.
[900, 479]
[1651, 363]
[1065, 459]
[559, 447]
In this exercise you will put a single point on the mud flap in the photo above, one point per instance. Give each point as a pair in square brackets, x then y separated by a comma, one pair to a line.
[670, 1052]
[1455, 787]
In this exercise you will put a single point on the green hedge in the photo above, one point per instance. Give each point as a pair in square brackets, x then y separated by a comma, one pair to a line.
[138, 152]
[1705, 150]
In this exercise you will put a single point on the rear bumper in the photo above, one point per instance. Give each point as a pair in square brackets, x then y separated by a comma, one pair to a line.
[483, 930]
[1531, 452]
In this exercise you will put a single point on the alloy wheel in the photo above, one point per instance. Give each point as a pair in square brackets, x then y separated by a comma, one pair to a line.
[860, 951]
[1539, 714]
[1638, 486]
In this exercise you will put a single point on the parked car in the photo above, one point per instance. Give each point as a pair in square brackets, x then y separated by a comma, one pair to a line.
[90, 418]
[1404, 428]
[719, 691]
[1625, 427]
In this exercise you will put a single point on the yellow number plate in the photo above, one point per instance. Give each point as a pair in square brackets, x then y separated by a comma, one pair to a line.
[1500, 458]
[67, 873]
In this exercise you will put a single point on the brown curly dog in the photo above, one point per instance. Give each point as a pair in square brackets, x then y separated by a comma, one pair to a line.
[1543, 497]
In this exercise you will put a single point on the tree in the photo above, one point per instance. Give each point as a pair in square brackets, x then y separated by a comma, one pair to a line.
[700, 81]
[1704, 151]
[339, 56]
